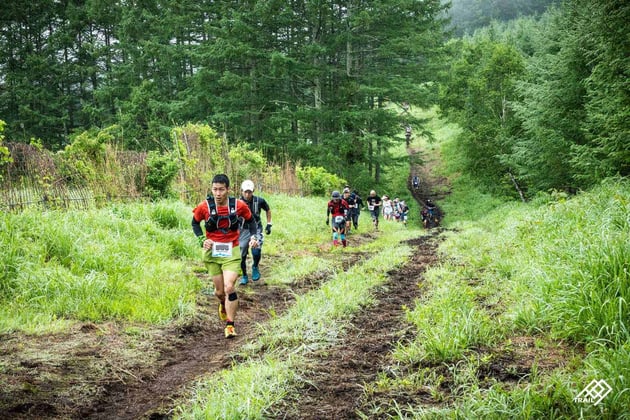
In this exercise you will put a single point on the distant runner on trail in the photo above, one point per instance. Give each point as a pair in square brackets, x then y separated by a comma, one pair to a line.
[430, 214]
[388, 207]
[403, 210]
[351, 199]
[374, 206]
[357, 210]
[338, 208]
[256, 204]
[416, 182]
[223, 216]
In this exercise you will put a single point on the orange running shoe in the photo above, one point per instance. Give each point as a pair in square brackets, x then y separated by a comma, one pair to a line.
[230, 332]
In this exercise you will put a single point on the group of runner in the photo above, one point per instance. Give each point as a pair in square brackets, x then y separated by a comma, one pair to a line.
[345, 210]
[233, 227]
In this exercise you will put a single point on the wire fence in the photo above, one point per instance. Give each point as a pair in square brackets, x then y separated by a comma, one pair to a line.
[40, 179]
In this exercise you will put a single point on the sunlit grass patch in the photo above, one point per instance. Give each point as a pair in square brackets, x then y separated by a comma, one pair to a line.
[298, 266]
[298, 222]
[389, 235]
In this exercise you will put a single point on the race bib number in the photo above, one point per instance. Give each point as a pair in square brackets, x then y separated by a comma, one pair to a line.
[370, 207]
[339, 219]
[222, 249]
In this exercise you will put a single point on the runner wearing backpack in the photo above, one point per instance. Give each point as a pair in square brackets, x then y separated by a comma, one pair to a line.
[256, 205]
[223, 216]
[338, 208]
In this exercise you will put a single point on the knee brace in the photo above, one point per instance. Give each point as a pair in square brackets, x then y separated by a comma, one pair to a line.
[232, 297]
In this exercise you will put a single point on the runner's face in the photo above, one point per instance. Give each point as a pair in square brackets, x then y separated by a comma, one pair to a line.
[220, 193]
[248, 195]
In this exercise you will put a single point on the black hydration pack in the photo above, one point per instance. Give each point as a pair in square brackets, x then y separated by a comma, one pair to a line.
[212, 224]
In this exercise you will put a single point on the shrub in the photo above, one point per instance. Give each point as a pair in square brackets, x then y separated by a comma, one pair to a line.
[162, 169]
[318, 181]
[246, 163]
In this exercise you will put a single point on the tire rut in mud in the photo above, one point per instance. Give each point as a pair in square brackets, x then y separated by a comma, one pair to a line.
[334, 382]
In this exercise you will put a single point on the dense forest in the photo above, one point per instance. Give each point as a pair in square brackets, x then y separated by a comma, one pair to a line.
[543, 99]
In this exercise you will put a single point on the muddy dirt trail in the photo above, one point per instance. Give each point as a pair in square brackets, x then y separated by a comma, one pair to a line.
[431, 185]
[334, 387]
[94, 379]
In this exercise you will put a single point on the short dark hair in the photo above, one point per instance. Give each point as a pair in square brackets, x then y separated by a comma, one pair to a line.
[221, 179]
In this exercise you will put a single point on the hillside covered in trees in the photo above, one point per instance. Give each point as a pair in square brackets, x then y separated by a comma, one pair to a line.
[467, 15]
[543, 100]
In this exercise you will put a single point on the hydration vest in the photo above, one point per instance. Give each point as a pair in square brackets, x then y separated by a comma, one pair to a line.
[336, 209]
[213, 220]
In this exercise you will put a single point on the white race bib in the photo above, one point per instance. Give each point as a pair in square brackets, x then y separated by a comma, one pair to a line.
[370, 207]
[222, 249]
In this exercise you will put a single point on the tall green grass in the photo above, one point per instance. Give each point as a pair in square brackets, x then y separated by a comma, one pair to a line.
[126, 262]
[557, 268]
[297, 221]
[134, 262]
[583, 266]
[449, 322]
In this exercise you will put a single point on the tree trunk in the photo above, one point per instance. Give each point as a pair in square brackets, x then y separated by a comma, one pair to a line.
[520, 192]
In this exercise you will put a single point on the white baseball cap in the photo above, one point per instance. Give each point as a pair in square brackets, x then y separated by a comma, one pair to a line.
[247, 185]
